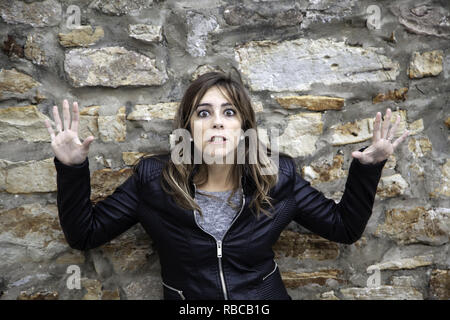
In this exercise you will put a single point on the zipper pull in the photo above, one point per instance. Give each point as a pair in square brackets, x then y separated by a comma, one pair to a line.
[219, 249]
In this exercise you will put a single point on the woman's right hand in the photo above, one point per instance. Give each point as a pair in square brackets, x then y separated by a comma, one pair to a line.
[66, 145]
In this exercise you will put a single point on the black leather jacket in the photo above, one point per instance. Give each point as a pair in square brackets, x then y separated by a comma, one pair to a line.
[193, 264]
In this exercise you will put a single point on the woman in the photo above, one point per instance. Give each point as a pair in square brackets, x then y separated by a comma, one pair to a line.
[214, 223]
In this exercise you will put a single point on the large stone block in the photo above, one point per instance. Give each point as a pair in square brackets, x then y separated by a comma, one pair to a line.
[301, 134]
[444, 182]
[111, 67]
[382, 293]
[146, 32]
[37, 14]
[28, 176]
[312, 103]
[199, 26]
[17, 85]
[23, 123]
[113, 128]
[392, 186]
[423, 18]
[298, 64]
[324, 171]
[294, 280]
[34, 227]
[416, 225]
[83, 36]
[425, 64]
[164, 111]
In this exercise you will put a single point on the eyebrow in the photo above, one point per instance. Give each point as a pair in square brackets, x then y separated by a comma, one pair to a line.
[206, 104]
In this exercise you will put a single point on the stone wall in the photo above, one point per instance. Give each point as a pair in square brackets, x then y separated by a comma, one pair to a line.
[317, 70]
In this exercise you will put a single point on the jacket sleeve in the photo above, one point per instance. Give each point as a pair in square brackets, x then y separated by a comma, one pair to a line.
[86, 226]
[343, 222]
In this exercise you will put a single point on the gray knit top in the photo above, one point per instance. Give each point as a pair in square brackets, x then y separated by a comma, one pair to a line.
[217, 213]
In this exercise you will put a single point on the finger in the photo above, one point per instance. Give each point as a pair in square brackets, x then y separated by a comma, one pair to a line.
[386, 123]
[50, 129]
[400, 139]
[57, 118]
[393, 130]
[75, 117]
[66, 114]
[376, 128]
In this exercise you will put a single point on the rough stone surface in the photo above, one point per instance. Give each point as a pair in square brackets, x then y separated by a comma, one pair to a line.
[324, 171]
[105, 181]
[23, 123]
[254, 14]
[392, 186]
[425, 64]
[381, 293]
[39, 295]
[15, 84]
[305, 246]
[113, 128]
[444, 182]
[395, 95]
[417, 225]
[199, 27]
[362, 130]
[313, 103]
[82, 36]
[423, 18]
[111, 67]
[298, 279]
[129, 253]
[146, 32]
[34, 227]
[28, 176]
[121, 7]
[301, 134]
[37, 14]
[440, 284]
[404, 263]
[164, 110]
[299, 64]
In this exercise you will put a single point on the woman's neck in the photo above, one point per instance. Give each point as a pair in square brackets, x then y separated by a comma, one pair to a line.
[219, 178]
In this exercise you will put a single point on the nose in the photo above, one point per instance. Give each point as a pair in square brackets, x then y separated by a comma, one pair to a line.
[218, 121]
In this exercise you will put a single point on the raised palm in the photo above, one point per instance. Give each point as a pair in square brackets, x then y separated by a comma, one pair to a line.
[382, 146]
[66, 145]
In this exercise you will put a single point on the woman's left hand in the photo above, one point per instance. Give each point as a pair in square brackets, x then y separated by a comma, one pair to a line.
[382, 146]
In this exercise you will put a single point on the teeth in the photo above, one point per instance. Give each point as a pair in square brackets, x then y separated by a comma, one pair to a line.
[218, 139]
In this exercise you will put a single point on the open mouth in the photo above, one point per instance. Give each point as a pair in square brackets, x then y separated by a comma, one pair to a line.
[218, 140]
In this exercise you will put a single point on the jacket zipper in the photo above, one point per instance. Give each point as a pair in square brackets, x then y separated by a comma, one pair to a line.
[219, 243]
[172, 288]
[276, 265]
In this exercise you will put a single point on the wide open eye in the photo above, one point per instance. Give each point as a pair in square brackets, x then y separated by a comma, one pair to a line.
[201, 112]
[229, 112]
[232, 112]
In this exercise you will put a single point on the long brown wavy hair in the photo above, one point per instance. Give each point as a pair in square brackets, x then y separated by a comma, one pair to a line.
[175, 177]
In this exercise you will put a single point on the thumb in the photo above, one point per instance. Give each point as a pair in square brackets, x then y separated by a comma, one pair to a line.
[357, 154]
[87, 142]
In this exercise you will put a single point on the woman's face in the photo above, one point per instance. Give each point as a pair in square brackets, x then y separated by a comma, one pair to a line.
[216, 116]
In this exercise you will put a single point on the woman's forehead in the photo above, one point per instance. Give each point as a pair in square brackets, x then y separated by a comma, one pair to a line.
[215, 93]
